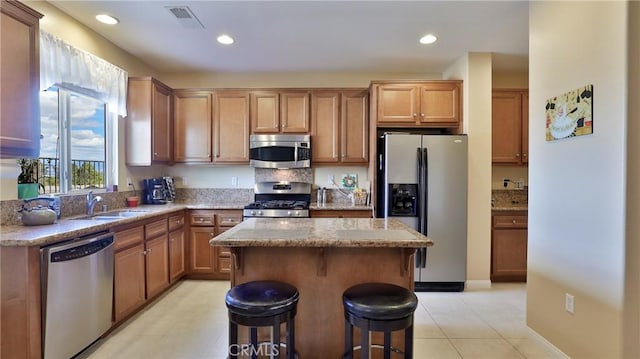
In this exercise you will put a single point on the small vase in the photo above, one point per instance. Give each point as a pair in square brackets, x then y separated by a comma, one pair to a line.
[27, 190]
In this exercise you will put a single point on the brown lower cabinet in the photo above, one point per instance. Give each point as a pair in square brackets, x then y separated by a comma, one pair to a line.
[509, 246]
[129, 273]
[177, 248]
[206, 261]
[330, 213]
[141, 265]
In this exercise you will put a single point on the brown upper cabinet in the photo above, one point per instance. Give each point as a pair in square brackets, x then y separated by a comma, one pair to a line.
[510, 127]
[149, 123]
[231, 127]
[19, 80]
[280, 112]
[427, 104]
[339, 127]
[193, 123]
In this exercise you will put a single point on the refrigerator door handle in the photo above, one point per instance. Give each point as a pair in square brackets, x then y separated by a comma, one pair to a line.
[418, 257]
[423, 258]
[421, 225]
[424, 192]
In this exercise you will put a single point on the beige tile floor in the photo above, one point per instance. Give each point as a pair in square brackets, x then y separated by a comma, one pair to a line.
[190, 322]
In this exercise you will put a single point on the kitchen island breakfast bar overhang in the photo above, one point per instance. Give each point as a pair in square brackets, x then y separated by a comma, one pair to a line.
[322, 257]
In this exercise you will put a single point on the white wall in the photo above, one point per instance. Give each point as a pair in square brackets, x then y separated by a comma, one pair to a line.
[577, 185]
[475, 70]
[632, 264]
[286, 79]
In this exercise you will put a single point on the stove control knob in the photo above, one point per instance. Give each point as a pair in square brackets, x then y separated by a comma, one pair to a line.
[289, 213]
[297, 213]
[253, 213]
[259, 213]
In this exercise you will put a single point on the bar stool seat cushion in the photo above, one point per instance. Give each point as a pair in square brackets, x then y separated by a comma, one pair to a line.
[379, 301]
[261, 298]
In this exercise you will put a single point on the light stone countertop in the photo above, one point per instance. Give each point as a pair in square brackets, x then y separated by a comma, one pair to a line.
[321, 232]
[512, 207]
[68, 227]
[338, 207]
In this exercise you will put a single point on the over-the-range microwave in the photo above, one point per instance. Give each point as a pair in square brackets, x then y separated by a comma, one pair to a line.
[280, 151]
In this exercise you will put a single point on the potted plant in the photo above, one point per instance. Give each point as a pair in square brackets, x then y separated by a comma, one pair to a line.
[28, 185]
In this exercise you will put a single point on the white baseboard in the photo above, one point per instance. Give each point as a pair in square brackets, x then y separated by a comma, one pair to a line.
[533, 335]
[478, 284]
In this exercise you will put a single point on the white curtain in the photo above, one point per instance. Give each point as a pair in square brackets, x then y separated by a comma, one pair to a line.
[64, 65]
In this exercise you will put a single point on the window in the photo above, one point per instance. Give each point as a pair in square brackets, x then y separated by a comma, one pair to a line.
[73, 143]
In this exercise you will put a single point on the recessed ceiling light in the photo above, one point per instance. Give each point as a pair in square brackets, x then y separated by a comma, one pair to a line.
[428, 39]
[225, 39]
[107, 19]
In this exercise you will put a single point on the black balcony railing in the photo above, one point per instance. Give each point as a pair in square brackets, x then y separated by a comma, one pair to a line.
[83, 173]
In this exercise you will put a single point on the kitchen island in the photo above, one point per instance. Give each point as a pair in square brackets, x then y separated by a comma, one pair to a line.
[322, 257]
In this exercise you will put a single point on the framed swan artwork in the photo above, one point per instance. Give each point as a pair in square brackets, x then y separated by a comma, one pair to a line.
[570, 114]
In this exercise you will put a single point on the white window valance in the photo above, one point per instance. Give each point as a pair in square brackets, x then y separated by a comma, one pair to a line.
[64, 65]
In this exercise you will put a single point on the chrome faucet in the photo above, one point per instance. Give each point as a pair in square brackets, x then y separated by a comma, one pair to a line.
[91, 202]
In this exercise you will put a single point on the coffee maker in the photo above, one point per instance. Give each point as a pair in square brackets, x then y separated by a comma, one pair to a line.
[154, 191]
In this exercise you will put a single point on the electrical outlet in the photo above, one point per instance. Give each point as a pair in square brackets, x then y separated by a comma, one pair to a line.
[234, 181]
[569, 303]
[330, 179]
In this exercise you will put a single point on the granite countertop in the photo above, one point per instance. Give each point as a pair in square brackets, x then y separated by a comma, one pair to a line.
[510, 207]
[339, 207]
[321, 232]
[67, 228]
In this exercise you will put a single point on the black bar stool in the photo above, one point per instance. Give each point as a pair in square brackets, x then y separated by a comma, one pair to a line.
[378, 307]
[261, 304]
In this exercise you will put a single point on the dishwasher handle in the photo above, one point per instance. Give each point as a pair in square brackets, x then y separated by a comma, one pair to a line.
[80, 248]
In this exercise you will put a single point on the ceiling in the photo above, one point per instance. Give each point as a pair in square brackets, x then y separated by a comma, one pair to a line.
[314, 36]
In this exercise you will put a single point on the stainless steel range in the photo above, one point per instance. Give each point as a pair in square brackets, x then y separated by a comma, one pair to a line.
[279, 200]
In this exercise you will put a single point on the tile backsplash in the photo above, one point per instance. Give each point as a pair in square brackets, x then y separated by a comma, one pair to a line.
[510, 197]
[70, 205]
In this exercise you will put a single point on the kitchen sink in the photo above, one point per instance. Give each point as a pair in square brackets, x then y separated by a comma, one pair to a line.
[112, 215]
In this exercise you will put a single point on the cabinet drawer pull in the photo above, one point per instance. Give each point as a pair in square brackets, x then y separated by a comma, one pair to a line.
[514, 221]
[144, 253]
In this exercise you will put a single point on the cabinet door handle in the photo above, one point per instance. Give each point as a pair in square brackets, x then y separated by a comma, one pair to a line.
[422, 115]
[514, 221]
[415, 115]
[524, 155]
[517, 155]
[144, 253]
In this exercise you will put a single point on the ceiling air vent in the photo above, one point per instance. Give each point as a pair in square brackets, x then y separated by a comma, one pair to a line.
[185, 17]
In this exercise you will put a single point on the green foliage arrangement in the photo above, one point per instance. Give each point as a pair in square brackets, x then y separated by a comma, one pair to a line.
[28, 170]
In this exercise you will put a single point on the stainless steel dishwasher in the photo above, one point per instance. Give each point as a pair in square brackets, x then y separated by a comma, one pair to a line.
[77, 292]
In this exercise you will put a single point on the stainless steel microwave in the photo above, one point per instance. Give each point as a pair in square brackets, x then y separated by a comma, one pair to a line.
[280, 151]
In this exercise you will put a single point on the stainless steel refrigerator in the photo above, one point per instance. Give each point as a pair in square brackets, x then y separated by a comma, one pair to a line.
[423, 182]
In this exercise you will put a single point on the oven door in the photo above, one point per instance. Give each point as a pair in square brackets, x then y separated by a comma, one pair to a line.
[275, 213]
